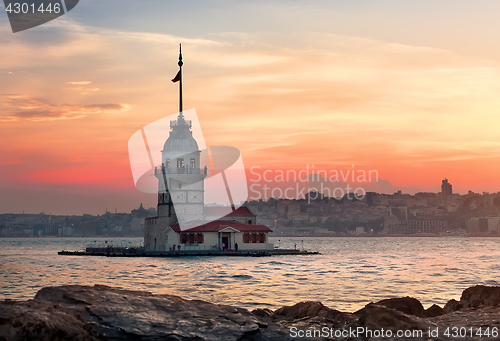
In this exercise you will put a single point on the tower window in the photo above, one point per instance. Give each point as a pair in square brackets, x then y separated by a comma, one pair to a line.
[193, 163]
[167, 163]
[180, 163]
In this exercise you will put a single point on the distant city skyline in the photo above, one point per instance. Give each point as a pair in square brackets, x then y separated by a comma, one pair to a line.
[409, 89]
[314, 215]
[151, 203]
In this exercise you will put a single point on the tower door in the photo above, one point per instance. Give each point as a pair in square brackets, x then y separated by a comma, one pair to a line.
[226, 240]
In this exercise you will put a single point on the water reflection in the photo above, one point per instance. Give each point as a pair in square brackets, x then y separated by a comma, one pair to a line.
[350, 272]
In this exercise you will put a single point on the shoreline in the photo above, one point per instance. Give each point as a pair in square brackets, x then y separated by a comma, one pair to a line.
[476, 235]
[102, 312]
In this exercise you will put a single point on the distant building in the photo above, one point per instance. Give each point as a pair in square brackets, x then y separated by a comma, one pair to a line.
[360, 230]
[483, 225]
[425, 226]
[446, 189]
[393, 226]
[140, 212]
[477, 225]
[493, 224]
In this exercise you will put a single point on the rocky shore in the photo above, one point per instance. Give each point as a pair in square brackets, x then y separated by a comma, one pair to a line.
[106, 313]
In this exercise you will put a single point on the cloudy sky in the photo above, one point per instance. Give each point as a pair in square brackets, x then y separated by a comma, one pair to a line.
[407, 88]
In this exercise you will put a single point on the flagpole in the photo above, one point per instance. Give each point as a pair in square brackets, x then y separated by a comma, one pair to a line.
[180, 83]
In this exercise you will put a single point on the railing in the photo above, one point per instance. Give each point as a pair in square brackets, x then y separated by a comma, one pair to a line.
[182, 123]
[191, 247]
[111, 248]
[183, 170]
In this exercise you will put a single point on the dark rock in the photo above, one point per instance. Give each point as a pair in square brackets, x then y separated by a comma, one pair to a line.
[306, 309]
[451, 306]
[407, 305]
[434, 311]
[479, 296]
[101, 312]
[262, 312]
[475, 297]
[41, 321]
[471, 318]
[105, 313]
[311, 315]
[376, 316]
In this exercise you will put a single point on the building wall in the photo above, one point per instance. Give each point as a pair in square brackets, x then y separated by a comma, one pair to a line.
[253, 246]
[426, 226]
[137, 224]
[493, 224]
[415, 226]
[472, 225]
[211, 242]
[392, 225]
[188, 198]
[155, 234]
[477, 225]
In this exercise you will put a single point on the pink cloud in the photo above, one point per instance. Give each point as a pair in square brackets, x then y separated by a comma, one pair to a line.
[25, 107]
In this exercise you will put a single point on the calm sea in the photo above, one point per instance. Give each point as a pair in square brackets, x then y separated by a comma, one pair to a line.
[349, 273]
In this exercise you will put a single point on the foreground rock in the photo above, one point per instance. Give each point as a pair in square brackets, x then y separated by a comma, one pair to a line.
[101, 312]
[105, 313]
[475, 297]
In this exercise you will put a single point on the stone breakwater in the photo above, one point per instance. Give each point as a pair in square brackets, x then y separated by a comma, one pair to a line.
[106, 313]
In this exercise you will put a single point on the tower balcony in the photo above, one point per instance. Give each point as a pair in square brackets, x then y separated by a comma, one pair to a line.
[181, 123]
[183, 170]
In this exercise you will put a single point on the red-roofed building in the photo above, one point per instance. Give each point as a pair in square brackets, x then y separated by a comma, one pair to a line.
[220, 235]
[241, 214]
[237, 228]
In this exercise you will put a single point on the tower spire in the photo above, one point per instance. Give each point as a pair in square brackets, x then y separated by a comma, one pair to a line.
[180, 63]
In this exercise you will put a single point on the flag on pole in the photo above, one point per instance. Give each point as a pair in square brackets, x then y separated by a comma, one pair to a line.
[177, 77]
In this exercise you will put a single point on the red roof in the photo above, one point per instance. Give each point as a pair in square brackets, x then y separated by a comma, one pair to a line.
[222, 211]
[219, 225]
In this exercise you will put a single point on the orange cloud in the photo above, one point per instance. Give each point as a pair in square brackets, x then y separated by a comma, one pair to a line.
[414, 113]
[25, 107]
[79, 83]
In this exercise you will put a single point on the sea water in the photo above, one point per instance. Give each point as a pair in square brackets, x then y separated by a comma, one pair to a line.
[349, 273]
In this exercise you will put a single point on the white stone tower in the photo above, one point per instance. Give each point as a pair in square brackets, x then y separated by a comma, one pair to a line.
[181, 175]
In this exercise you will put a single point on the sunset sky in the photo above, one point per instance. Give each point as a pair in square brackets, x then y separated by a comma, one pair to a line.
[408, 88]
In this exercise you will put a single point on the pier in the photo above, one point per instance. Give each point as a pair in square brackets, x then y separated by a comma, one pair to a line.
[137, 252]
